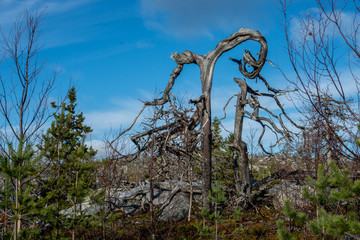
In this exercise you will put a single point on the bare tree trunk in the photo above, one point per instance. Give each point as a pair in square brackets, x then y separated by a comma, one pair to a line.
[242, 173]
[244, 170]
[206, 152]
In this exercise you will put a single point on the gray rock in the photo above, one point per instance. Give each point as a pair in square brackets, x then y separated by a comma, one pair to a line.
[130, 208]
[171, 198]
[177, 209]
[90, 209]
[159, 196]
[85, 208]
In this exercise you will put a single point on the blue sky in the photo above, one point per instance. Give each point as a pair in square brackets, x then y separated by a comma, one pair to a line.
[117, 52]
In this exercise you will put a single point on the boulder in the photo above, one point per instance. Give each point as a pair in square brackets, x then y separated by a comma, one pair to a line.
[177, 209]
[286, 189]
[171, 198]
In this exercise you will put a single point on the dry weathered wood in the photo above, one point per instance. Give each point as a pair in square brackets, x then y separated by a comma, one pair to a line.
[206, 64]
[202, 115]
[242, 173]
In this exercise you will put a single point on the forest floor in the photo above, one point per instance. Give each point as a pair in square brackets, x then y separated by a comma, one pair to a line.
[251, 224]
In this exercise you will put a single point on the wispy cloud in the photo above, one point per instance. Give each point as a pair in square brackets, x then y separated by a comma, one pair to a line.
[65, 22]
[315, 22]
[109, 51]
[10, 9]
[63, 6]
[119, 116]
[187, 18]
[348, 84]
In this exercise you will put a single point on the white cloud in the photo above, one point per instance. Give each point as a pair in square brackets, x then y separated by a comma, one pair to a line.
[99, 146]
[107, 122]
[114, 118]
[347, 84]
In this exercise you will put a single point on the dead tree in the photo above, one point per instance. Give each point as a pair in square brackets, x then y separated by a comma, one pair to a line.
[274, 123]
[202, 115]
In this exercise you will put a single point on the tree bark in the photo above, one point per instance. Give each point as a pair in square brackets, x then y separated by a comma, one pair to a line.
[242, 173]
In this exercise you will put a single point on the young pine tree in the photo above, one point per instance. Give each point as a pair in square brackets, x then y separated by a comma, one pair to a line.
[19, 169]
[69, 177]
[216, 197]
[336, 197]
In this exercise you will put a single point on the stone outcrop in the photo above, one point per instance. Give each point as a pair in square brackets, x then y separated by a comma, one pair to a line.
[170, 198]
